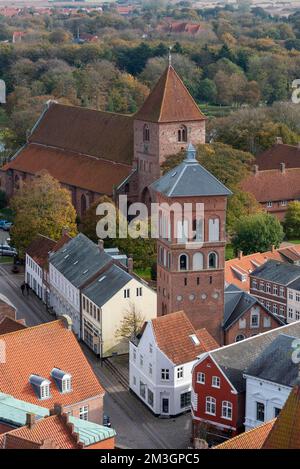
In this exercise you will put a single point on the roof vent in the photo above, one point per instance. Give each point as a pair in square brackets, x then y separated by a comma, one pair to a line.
[41, 386]
[102, 278]
[85, 271]
[75, 263]
[62, 380]
[195, 339]
[173, 174]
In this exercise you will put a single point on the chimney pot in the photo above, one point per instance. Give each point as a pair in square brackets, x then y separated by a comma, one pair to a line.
[282, 167]
[101, 244]
[30, 420]
[58, 410]
[240, 254]
[130, 265]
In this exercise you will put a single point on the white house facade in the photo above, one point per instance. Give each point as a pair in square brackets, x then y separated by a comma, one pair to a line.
[34, 277]
[293, 301]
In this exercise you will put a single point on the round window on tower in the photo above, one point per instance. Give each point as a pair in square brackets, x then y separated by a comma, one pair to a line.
[203, 296]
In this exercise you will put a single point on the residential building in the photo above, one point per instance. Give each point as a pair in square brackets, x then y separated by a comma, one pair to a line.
[274, 188]
[269, 381]
[7, 309]
[161, 359]
[269, 284]
[190, 266]
[27, 426]
[293, 301]
[106, 301]
[94, 153]
[8, 324]
[219, 387]
[280, 433]
[279, 153]
[45, 366]
[245, 316]
[238, 270]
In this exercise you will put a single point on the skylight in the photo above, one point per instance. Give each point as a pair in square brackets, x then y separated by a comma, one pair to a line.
[102, 278]
[86, 271]
[195, 339]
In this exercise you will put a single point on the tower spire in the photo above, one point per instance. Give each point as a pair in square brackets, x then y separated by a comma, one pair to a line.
[170, 56]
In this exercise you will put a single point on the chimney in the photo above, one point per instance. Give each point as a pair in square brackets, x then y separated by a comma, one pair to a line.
[130, 265]
[101, 245]
[30, 420]
[278, 141]
[57, 410]
[255, 169]
[240, 254]
[282, 168]
[67, 321]
[273, 249]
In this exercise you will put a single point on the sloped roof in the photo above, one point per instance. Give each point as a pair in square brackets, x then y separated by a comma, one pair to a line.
[278, 272]
[8, 324]
[273, 185]
[279, 153]
[252, 439]
[70, 168]
[173, 336]
[38, 350]
[13, 411]
[85, 131]
[189, 179]
[39, 249]
[169, 101]
[234, 359]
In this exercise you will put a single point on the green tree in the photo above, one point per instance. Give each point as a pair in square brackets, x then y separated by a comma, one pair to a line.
[41, 206]
[292, 220]
[257, 233]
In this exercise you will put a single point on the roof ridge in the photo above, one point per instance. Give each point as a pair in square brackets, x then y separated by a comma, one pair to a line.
[43, 324]
[164, 93]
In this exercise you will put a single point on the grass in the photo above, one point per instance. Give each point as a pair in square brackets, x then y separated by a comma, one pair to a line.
[6, 260]
[144, 273]
[293, 241]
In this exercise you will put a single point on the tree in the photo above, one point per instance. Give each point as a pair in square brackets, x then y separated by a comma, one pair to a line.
[41, 206]
[131, 323]
[292, 220]
[257, 233]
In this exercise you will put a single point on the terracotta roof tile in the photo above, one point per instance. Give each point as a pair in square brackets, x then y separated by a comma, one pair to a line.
[253, 439]
[173, 337]
[273, 185]
[100, 134]
[170, 101]
[39, 249]
[70, 168]
[39, 349]
[279, 153]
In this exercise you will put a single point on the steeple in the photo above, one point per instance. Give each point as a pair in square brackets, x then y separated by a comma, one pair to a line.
[191, 154]
[170, 101]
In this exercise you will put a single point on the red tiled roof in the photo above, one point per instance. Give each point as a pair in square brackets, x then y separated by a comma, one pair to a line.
[8, 325]
[85, 131]
[7, 308]
[39, 249]
[39, 349]
[61, 242]
[273, 185]
[70, 168]
[253, 439]
[172, 333]
[279, 153]
[170, 101]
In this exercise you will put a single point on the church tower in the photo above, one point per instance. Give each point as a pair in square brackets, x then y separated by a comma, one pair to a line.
[191, 244]
[167, 121]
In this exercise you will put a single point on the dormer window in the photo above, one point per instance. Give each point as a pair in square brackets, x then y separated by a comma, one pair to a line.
[182, 134]
[62, 380]
[41, 386]
[146, 133]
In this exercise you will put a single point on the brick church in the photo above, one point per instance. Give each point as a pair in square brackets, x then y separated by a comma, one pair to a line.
[94, 153]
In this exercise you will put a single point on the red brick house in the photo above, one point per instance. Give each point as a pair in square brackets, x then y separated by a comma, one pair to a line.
[218, 385]
[279, 153]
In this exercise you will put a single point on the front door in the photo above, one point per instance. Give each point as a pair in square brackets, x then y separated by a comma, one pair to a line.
[165, 405]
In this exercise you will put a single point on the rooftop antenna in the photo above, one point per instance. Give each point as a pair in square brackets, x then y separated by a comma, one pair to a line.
[170, 56]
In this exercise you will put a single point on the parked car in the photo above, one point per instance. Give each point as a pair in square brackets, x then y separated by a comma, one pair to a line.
[5, 225]
[3, 222]
[6, 250]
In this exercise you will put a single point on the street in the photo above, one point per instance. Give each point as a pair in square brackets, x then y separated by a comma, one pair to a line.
[136, 427]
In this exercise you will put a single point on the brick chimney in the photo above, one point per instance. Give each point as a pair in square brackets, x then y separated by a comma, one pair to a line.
[30, 420]
[282, 168]
[255, 169]
[240, 254]
[273, 249]
[101, 245]
[130, 265]
[278, 141]
[57, 409]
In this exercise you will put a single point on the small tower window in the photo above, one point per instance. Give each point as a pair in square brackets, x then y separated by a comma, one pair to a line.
[212, 260]
[183, 262]
[146, 133]
[182, 134]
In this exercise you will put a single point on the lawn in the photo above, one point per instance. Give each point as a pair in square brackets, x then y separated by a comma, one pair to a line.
[6, 260]
[293, 241]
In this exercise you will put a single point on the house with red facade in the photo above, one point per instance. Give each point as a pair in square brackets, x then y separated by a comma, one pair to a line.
[219, 386]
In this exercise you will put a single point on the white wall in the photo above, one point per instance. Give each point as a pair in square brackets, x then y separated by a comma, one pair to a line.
[293, 304]
[34, 277]
[272, 395]
[171, 389]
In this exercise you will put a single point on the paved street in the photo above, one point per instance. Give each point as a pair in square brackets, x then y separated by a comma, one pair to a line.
[136, 427]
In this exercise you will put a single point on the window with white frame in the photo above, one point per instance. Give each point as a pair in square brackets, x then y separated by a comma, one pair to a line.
[139, 291]
[281, 310]
[165, 374]
[262, 286]
[227, 410]
[281, 292]
[254, 284]
[254, 320]
[84, 412]
[210, 405]
[45, 391]
[66, 384]
[275, 308]
[269, 204]
[297, 296]
[290, 313]
[268, 288]
[291, 295]
[200, 378]
[275, 290]
[150, 369]
[150, 348]
[297, 315]
[215, 382]
[127, 293]
[180, 372]
[267, 321]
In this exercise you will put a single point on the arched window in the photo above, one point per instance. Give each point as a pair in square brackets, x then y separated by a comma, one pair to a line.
[183, 262]
[212, 260]
[146, 133]
[210, 405]
[198, 261]
[239, 337]
[182, 134]
[214, 229]
[198, 230]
